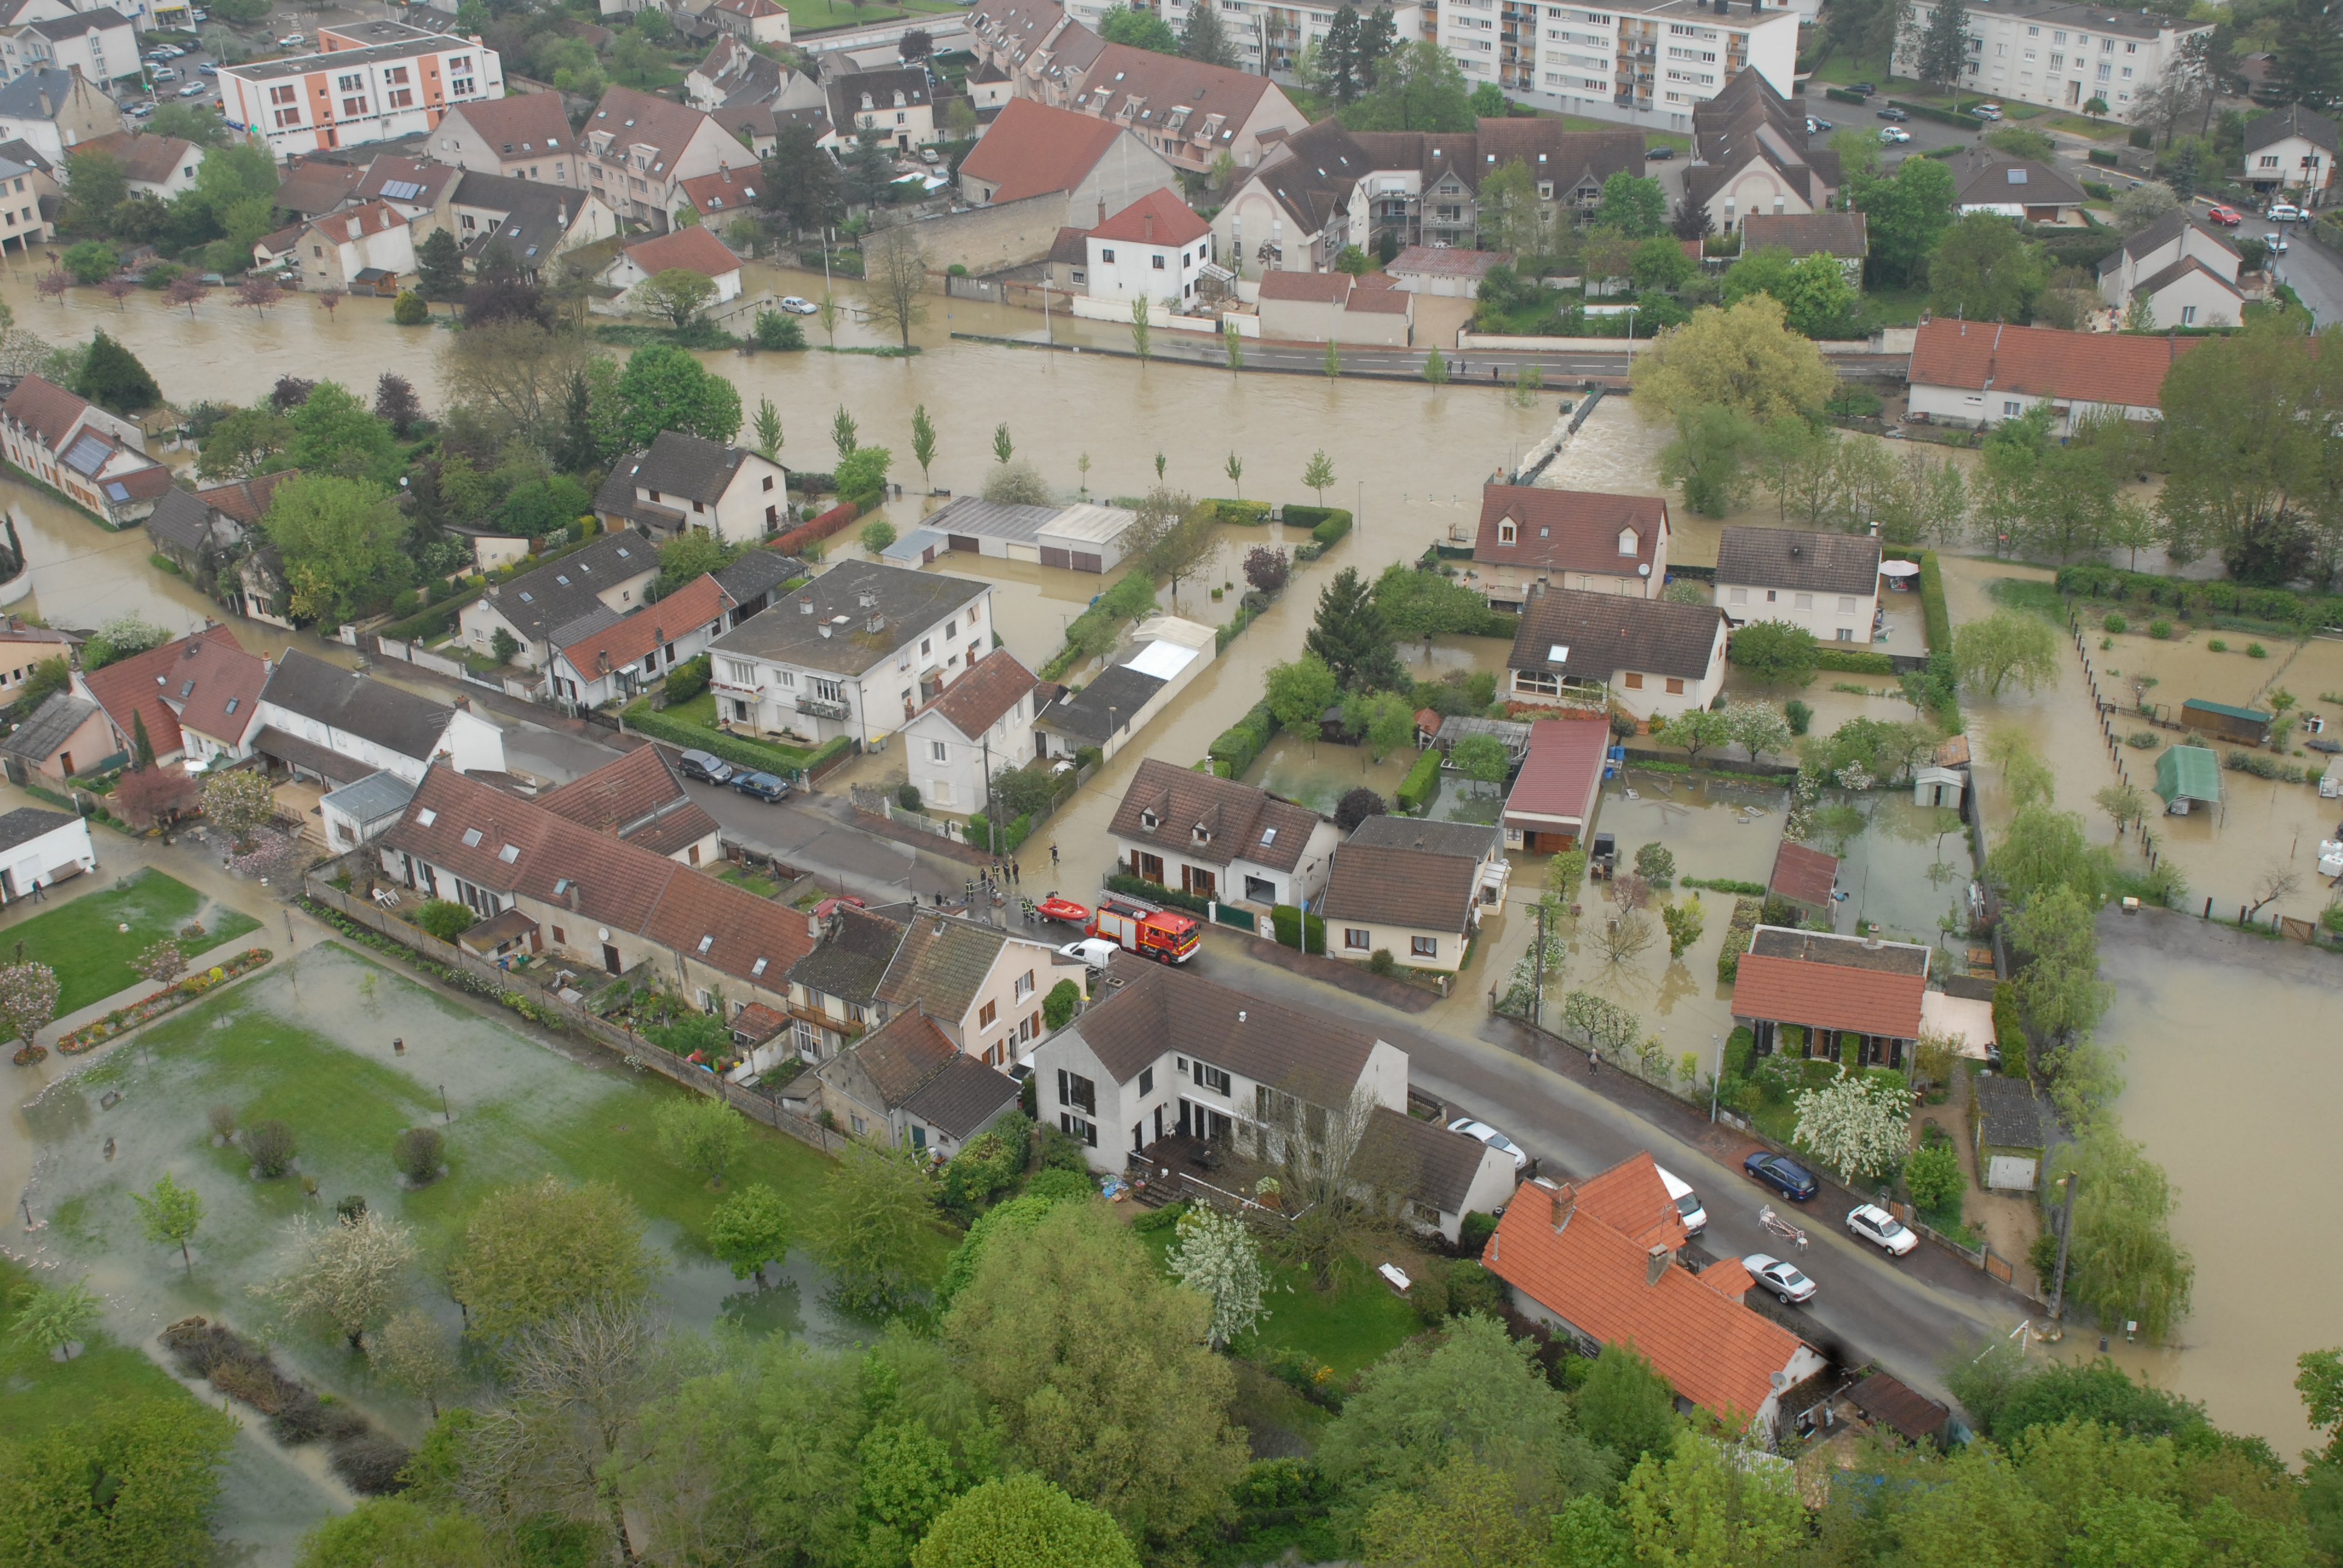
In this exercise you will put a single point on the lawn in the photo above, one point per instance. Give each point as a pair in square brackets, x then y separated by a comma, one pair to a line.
[1348, 1328]
[1894, 306]
[2097, 130]
[43, 1393]
[814, 16]
[80, 940]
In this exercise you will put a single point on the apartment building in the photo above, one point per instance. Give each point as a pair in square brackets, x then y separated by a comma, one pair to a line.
[640, 149]
[1656, 57]
[523, 138]
[2059, 56]
[1267, 40]
[369, 82]
[102, 43]
[50, 110]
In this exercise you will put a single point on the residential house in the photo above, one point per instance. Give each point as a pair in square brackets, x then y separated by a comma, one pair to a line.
[760, 126]
[2291, 153]
[1828, 583]
[24, 220]
[856, 653]
[1439, 1176]
[2061, 55]
[1307, 200]
[1220, 839]
[756, 20]
[736, 76]
[338, 724]
[357, 814]
[641, 799]
[834, 988]
[1807, 880]
[580, 896]
[1443, 270]
[1641, 655]
[361, 249]
[196, 697]
[1979, 373]
[24, 648]
[368, 82]
[906, 1086]
[2019, 188]
[980, 986]
[1751, 157]
[97, 459]
[1843, 236]
[159, 167]
[41, 849]
[1093, 168]
[1161, 1054]
[1036, 45]
[1531, 537]
[1605, 1262]
[1083, 537]
[313, 187]
[1661, 58]
[15, 15]
[206, 532]
[1165, 654]
[753, 580]
[895, 106]
[685, 484]
[1191, 113]
[1552, 805]
[606, 656]
[52, 111]
[1335, 307]
[418, 189]
[100, 43]
[691, 248]
[66, 736]
[535, 222]
[723, 195]
[2177, 273]
[1154, 249]
[970, 731]
[523, 137]
[1854, 1000]
[1412, 889]
[613, 572]
[640, 149]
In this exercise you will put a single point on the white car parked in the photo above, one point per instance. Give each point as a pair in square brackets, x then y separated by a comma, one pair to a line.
[2284, 212]
[2274, 240]
[1492, 1137]
[1891, 135]
[1876, 1225]
[1097, 953]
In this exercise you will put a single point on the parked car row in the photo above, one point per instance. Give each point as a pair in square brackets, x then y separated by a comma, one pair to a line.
[710, 768]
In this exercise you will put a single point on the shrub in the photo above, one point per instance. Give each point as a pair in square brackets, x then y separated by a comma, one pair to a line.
[408, 309]
[1382, 963]
[2216, 645]
[2160, 630]
[1291, 927]
[2009, 1028]
[2142, 741]
[774, 330]
[2116, 622]
[370, 1463]
[908, 797]
[1474, 1232]
[1423, 782]
[1800, 717]
[446, 918]
[1656, 864]
[688, 680]
[1058, 1006]
[417, 1153]
[1933, 1176]
[2255, 650]
[271, 1148]
[1242, 742]
[223, 1121]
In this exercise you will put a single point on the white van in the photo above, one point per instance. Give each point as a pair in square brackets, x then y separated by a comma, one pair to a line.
[1686, 1201]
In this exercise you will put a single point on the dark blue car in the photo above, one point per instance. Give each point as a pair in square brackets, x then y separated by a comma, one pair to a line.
[764, 786]
[1786, 1176]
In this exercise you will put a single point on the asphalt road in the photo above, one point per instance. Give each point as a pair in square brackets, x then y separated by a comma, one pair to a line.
[2315, 272]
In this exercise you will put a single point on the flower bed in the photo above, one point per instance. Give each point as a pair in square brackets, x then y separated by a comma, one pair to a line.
[90, 1036]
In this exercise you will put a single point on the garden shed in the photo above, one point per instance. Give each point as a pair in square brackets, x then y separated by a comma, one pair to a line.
[1938, 786]
[2012, 1130]
[2248, 725]
[2188, 776]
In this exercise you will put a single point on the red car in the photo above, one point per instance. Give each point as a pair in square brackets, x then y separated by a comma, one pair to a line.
[2228, 217]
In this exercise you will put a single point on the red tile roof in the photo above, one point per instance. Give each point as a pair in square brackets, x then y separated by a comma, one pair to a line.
[1802, 875]
[1563, 773]
[990, 686]
[698, 603]
[727, 190]
[1446, 261]
[1828, 996]
[245, 499]
[1318, 288]
[374, 217]
[148, 159]
[2044, 362]
[631, 118]
[1568, 530]
[136, 687]
[1159, 217]
[1030, 149]
[44, 408]
[1369, 301]
[1713, 1350]
[693, 248]
[529, 121]
[637, 798]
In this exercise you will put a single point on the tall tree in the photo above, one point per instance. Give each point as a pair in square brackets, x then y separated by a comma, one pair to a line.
[130, 1482]
[666, 388]
[1349, 636]
[1983, 270]
[1945, 45]
[111, 378]
[1636, 207]
[343, 542]
[1204, 38]
[894, 279]
[2249, 467]
[1744, 358]
[868, 1227]
[1338, 56]
[801, 184]
[1024, 1521]
[2306, 56]
[1418, 87]
[536, 1252]
[1905, 215]
[440, 265]
[1121, 24]
[346, 1273]
[1378, 36]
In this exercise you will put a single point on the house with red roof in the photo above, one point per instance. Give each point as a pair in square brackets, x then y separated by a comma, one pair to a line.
[1805, 878]
[363, 249]
[1094, 166]
[1551, 807]
[969, 731]
[1568, 538]
[604, 655]
[526, 137]
[197, 698]
[1335, 307]
[1979, 373]
[1154, 249]
[97, 459]
[692, 248]
[1814, 993]
[1604, 1262]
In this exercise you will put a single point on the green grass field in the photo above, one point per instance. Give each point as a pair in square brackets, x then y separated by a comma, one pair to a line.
[80, 940]
[42, 1393]
[1349, 1327]
[817, 16]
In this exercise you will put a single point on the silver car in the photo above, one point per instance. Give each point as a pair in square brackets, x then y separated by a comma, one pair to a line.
[1492, 1137]
[1783, 1279]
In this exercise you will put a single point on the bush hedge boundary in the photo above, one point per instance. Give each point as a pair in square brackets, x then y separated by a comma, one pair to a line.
[761, 756]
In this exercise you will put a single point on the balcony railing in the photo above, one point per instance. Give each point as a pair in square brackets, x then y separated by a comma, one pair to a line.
[822, 708]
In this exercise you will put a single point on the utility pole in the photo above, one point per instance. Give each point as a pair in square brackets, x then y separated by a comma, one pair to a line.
[992, 827]
[2066, 1239]
[1537, 987]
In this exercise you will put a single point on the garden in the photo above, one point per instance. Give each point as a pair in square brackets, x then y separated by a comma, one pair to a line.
[94, 943]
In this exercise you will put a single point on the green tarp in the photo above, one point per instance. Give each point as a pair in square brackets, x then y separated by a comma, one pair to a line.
[2190, 770]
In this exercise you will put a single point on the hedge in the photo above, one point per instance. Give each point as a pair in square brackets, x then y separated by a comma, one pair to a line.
[1855, 662]
[433, 621]
[1938, 618]
[1326, 524]
[2106, 158]
[1242, 742]
[1289, 922]
[788, 761]
[2283, 605]
[2098, 190]
[2009, 1030]
[1724, 885]
[1942, 116]
[1421, 783]
[1131, 596]
[1240, 514]
[833, 521]
[979, 833]
[1840, 95]
[1157, 893]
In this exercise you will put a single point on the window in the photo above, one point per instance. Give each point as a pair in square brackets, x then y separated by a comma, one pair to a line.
[353, 109]
[1740, 595]
[1423, 947]
[1025, 985]
[1146, 1080]
[856, 1123]
[952, 629]
[1076, 1092]
[1846, 634]
[1158, 260]
[1676, 685]
[1805, 601]
[1635, 680]
[403, 98]
[1846, 604]
[2187, 316]
[739, 672]
[1212, 1078]
[1075, 1127]
[350, 84]
[1358, 938]
[1505, 532]
[281, 94]
[1536, 683]
[1106, 253]
[938, 751]
[986, 1014]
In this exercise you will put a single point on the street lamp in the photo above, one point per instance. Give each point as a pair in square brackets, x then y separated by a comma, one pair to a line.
[1716, 1078]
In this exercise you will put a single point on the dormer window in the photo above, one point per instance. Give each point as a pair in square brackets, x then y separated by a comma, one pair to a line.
[1506, 532]
[1149, 820]
[1201, 834]
[1627, 541]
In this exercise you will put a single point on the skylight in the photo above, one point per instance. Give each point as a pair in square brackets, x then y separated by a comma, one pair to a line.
[707, 942]
[425, 818]
[757, 967]
[471, 837]
[1559, 653]
[1269, 835]
[510, 853]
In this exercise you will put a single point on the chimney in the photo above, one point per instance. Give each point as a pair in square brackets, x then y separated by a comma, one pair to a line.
[1655, 1263]
[1565, 1199]
[1101, 199]
[573, 896]
[813, 927]
[1147, 228]
[47, 111]
[805, 604]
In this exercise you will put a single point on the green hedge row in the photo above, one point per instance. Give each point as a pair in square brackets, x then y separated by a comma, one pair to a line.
[1326, 524]
[1131, 596]
[2283, 605]
[979, 833]
[1942, 116]
[2009, 1030]
[2105, 157]
[1934, 615]
[1240, 514]
[1290, 924]
[1840, 95]
[1724, 885]
[1853, 662]
[1421, 783]
[741, 752]
[434, 622]
[1157, 893]
[1241, 743]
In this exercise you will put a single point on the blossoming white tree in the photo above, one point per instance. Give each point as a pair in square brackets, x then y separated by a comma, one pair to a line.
[1216, 1257]
[1859, 1125]
[349, 1274]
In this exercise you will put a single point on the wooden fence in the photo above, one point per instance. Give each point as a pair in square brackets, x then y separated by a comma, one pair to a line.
[2103, 709]
[630, 1048]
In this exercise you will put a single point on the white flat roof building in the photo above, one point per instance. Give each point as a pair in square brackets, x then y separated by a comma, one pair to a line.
[1645, 61]
[2059, 56]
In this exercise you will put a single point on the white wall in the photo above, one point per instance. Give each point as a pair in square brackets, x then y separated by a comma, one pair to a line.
[63, 852]
[1831, 618]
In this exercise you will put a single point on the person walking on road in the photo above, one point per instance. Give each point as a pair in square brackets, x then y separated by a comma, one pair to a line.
[1054, 854]
[1593, 1060]
[1016, 876]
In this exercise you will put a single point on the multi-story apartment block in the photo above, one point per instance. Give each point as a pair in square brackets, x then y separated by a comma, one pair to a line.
[369, 82]
[101, 42]
[640, 149]
[2061, 55]
[1656, 57]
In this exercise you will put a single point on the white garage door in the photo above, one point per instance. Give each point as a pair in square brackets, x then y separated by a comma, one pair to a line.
[2007, 1173]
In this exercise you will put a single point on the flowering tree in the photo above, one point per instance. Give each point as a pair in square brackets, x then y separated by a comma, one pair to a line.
[273, 858]
[257, 293]
[239, 800]
[29, 999]
[162, 963]
[349, 1273]
[1858, 1124]
[1599, 1021]
[187, 289]
[328, 299]
[1216, 1257]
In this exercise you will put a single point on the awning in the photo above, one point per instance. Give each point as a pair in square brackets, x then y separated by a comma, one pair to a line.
[310, 757]
[489, 935]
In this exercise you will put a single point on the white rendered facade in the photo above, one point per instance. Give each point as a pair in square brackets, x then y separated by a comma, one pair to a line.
[2058, 55]
[1655, 59]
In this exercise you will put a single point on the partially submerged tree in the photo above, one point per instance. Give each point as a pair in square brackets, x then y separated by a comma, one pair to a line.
[347, 1273]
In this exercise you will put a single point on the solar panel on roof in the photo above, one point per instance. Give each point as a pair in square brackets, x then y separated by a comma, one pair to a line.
[88, 456]
[401, 190]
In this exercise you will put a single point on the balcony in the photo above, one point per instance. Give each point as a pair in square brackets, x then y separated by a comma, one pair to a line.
[822, 708]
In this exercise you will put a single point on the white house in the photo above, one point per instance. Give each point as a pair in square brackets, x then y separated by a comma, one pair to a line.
[336, 724]
[613, 573]
[101, 43]
[1163, 1054]
[1414, 890]
[2017, 188]
[970, 731]
[604, 656]
[2187, 273]
[982, 986]
[41, 849]
[2289, 150]
[526, 137]
[1154, 249]
[1165, 654]
[362, 249]
[692, 248]
[1828, 583]
[1449, 1174]
[15, 17]
[52, 111]
[361, 812]
[1531, 536]
[855, 653]
[896, 104]
[1220, 839]
[1979, 373]
[1642, 655]
[758, 21]
[159, 167]
[640, 149]
[1082, 538]
[22, 222]
[683, 484]
[369, 82]
[2060, 54]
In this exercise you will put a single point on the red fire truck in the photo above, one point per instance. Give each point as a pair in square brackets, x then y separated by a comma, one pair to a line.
[1151, 931]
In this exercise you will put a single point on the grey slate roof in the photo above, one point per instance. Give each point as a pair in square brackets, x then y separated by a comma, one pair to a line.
[1104, 706]
[1799, 559]
[26, 823]
[375, 796]
[911, 601]
[2010, 1117]
[2293, 120]
[2160, 233]
[1311, 1055]
[409, 725]
[80, 24]
[536, 216]
[180, 521]
[941, 964]
[1841, 951]
[851, 963]
[1244, 820]
[570, 633]
[1391, 885]
[539, 601]
[1987, 179]
[1437, 1165]
[963, 1096]
[21, 99]
[757, 574]
[1466, 840]
[688, 466]
[52, 724]
[1600, 633]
